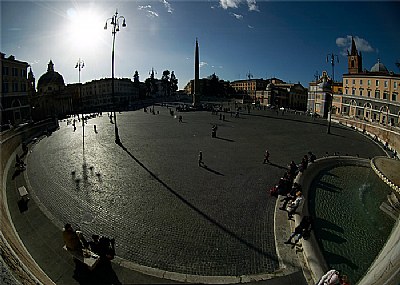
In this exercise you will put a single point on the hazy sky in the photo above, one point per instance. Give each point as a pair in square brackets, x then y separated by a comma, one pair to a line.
[288, 40]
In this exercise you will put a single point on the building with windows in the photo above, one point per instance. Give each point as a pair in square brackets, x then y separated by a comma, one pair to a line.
[281, 94]
[96, 95]
[320, 96]
[370, 95]
[14, 105]
[249, 87]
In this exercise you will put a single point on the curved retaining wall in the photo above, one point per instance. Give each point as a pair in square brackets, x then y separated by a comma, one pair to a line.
[385, 270]
[13, 252]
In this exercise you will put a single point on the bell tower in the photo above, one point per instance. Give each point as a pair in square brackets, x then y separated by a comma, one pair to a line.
[354, 59]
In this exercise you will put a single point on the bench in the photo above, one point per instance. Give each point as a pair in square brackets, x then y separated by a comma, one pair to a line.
[89, 258]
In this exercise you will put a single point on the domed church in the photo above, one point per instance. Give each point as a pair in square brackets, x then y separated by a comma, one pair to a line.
[51, 81]
[52, 98]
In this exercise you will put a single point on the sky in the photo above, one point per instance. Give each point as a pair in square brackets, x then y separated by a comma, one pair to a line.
[287, 40]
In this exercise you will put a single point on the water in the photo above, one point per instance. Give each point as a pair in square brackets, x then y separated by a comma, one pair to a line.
[350, 227]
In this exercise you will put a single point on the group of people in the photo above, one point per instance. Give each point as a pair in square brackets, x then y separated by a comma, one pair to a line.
[75, 242]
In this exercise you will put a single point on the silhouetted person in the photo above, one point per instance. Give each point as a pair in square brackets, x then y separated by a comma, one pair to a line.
[200, 158]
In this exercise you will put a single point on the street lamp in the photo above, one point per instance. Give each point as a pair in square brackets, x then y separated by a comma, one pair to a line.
[114, 21]
[332, 60]
[80, 64]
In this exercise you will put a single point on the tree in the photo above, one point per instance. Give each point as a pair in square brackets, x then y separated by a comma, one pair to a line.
[173, 82]
[166, 83]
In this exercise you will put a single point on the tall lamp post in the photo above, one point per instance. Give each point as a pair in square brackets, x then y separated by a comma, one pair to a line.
[80, 64]
[331, 57]
[114, 21]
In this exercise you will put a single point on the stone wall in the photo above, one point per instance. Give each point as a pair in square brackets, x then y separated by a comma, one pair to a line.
[391, 135]
[13, 252]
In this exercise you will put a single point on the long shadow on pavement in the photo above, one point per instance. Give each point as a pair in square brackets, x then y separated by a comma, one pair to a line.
[201, 213]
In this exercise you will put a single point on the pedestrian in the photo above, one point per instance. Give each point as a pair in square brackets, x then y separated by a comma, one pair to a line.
[302, 230]
[74, 240]
[291, 209]
[266, 156]
[180, 119]
[312, 157]
[333, 277]
[201, 158]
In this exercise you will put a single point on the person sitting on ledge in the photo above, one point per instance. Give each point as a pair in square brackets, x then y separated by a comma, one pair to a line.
[74, 240]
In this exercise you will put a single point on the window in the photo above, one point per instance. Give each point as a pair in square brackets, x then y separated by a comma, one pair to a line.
[347, 81]
[369, 93]
[385, 95]
[394, 96]
[353, 91]
[361, 82]
[369, 82]
[361, 92]
[385, 84]
[377, 83]
[354, 81]
[395, 84]
[377, 94]
[5, 70]
[5, 87]
[15, 86]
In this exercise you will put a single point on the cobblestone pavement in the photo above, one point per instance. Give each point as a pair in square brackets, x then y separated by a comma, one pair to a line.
[162, 208]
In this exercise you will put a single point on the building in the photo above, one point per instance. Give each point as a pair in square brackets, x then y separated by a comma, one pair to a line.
[370, 95]
[15, 87]
[52, 99]
[96, 95]
[319, 96]
[281, 94]
[249, 87]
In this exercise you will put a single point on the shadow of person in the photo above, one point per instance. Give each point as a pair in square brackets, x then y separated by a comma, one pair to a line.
[211, 170]
[338, 259]
[23, 205]
[224, 139]
[103, 273]
[323, 223]
[278, 166]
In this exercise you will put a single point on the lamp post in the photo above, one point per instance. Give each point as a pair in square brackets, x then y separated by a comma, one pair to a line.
[114, 21]
[332, 57]
[80, 64]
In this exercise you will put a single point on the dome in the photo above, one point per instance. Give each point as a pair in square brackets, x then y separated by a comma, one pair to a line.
[50, 77]
[379, 67]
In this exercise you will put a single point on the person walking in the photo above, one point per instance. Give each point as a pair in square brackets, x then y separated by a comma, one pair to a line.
[266, 156]
[200, 158]
[303, 229]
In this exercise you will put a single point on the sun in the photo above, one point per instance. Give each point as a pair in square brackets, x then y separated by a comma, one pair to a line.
[85, 28]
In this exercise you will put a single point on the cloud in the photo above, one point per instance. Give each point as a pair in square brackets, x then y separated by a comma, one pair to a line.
[252, 5]
[225, 4]
[237, 16]
[167, 6]
[150, 13]
[229, 3]
[202, 64]
[250, 27]
[361, 44]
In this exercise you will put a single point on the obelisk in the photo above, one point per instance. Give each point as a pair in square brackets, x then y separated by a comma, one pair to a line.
[196, 87]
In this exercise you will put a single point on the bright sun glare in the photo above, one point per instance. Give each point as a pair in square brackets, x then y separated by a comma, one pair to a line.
[85, 29]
